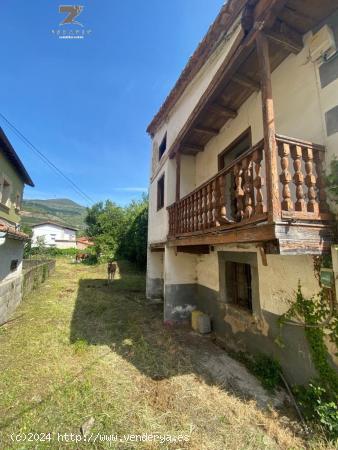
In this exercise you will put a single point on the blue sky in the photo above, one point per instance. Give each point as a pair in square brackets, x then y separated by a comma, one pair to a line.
[86, 103]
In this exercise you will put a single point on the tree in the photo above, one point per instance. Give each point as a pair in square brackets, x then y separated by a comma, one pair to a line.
[120, 232]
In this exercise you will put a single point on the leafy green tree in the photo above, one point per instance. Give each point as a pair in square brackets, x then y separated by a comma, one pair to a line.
[133, 244]
[120, 232]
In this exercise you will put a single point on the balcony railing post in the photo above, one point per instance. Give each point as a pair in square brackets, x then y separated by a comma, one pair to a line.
[270, 144]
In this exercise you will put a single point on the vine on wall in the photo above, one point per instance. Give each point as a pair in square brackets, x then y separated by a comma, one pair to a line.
[319, 317]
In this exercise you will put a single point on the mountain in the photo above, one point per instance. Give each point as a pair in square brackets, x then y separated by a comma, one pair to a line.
[61, 210]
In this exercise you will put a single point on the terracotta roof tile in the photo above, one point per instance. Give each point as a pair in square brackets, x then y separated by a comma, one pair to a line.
[11, 231]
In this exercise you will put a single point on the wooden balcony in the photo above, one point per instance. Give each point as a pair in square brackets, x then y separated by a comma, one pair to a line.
[232, 206]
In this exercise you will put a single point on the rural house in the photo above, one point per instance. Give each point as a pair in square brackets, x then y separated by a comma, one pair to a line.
[83, 242]
[238, 206]
[53, 234]
[13, 177]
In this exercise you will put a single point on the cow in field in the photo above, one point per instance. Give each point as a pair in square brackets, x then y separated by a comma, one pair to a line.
[111, 270]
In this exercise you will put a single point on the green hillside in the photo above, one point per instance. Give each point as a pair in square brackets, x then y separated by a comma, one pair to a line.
[57, 210]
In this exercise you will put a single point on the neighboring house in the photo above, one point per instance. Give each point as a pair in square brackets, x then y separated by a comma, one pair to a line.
[53, 234]
[237, 200]
[83, 242]
[13, 177]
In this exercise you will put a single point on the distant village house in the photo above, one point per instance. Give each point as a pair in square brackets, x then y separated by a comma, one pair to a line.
[83, 242]
[52, 234]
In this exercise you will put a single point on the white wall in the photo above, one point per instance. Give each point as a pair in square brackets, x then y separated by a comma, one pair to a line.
[179, 268]
[11, 249]
[53, 233]
[158, 219]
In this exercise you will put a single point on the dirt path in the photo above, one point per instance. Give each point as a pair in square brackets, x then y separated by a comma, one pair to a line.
[82, 353]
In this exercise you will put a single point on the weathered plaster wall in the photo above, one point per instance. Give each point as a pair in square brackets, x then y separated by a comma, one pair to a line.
[154, 281]
[12, 249]
[16, 188]
[188, 175]
[273, 287]
[179, 284]
[158, 219]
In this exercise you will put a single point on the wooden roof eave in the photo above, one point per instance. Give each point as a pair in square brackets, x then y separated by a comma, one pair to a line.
[262, 18]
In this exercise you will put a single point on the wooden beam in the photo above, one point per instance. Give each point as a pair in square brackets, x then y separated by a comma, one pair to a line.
[265, 232]
[195, 249]
[178, 176]
[290, 40]
[206, 130]
[270, 144]
[246, 82]
[192, 148]
[223, 110]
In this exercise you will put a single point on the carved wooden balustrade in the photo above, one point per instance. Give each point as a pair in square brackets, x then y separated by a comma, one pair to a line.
[237, 194]
[301, 176]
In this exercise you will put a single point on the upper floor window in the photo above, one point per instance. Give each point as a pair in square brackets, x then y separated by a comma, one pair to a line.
[163, 146]
[18, 201]
[160, 193]
[235, 149]
[5, 192]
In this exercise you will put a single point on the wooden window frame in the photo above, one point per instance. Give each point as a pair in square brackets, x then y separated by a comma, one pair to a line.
[160, 201]
[233, 144]
[233, 282]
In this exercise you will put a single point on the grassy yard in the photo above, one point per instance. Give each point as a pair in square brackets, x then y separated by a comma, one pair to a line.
[82, 352]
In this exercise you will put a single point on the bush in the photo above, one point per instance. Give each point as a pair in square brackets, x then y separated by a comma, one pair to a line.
[318, 407]
[265, 368]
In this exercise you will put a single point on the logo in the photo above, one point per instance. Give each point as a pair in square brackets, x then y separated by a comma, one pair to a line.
[70, 27]
[73, 12]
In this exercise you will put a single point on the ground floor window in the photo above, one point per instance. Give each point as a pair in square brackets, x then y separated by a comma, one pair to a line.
[239, 290]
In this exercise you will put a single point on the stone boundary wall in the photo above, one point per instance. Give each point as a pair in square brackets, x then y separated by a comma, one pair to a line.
[10, 297]
[35, 273]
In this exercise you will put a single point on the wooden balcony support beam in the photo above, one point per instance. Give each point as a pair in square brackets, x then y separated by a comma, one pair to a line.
[286, 38]
[206, 130]
[270, 144]
[246, 82]
[222, 110]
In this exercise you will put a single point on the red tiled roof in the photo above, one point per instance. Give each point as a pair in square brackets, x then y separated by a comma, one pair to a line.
[211, 40]
[11, 231]
[57, 224]
[84, 240]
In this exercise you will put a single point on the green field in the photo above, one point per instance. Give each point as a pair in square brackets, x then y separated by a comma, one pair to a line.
[80, 353]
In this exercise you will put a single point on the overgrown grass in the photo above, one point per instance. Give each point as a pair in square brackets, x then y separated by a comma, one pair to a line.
[83, 349]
